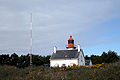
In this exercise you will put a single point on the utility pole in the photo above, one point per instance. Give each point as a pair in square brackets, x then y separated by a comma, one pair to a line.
[31, 40]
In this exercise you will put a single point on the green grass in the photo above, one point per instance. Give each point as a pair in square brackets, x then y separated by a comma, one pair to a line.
[107, 72]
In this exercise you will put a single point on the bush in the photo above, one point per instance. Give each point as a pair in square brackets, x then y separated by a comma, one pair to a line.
[105, 72]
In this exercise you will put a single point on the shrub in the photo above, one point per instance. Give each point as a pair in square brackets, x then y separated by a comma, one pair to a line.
[95, 72]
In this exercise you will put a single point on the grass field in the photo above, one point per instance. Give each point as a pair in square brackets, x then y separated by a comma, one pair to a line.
[107, 72]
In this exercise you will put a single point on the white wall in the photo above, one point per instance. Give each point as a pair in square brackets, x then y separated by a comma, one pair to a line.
[55, 63]
[81, 60]
[90, 63]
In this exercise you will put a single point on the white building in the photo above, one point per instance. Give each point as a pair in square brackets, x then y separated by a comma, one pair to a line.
[88, 62]
[67, 57]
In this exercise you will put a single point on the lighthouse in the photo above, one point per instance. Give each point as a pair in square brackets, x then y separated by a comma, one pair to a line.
[68, 57]
[70, 45]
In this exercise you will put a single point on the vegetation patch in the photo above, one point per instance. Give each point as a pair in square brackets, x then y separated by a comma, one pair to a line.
[76, 67]
[105, 71]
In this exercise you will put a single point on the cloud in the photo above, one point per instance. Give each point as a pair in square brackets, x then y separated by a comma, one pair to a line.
[53, 22]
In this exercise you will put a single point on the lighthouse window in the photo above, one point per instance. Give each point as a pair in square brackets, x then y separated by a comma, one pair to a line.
[71, 41]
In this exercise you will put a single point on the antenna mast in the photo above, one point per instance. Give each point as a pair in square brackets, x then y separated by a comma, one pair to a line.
[31, 41]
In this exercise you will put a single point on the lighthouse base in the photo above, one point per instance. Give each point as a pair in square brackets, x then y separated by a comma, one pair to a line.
[70, 48]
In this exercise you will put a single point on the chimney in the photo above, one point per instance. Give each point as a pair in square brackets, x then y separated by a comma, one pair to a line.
[78, 47]
[54, 49]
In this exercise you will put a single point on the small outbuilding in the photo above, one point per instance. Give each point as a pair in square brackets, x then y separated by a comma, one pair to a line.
[88, 62]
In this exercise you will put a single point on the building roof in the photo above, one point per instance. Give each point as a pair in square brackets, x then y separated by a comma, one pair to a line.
[65, 54]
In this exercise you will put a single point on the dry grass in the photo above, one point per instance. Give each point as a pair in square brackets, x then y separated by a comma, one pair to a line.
[106, 72]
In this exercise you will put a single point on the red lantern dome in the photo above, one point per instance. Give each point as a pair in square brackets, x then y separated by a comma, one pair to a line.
[71, 43]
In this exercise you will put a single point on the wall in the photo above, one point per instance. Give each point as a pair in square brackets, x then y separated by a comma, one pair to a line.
[60, 62]
[81, 60]
[90, 62]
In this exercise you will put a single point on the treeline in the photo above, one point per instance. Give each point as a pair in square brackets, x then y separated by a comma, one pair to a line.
[23, 60]
[108, 57]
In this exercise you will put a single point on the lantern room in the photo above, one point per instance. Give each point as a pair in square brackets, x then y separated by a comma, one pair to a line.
[71, 44]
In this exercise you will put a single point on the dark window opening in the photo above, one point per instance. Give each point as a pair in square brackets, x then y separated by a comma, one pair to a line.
[70, 41]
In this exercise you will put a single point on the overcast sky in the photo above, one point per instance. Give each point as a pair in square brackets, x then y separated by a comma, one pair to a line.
[94, 24]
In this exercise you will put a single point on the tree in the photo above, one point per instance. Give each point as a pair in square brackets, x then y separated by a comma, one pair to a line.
[14, 59]
[87, 58]
[96, 59]
[24, 61]
[109, 57]
[112, 57]
[4, 59]
[104, 57]
[38, 60]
